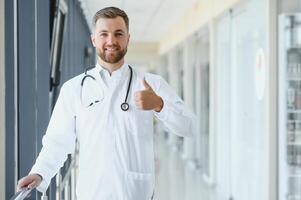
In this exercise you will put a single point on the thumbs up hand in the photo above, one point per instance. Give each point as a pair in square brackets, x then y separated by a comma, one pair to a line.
[147, 99]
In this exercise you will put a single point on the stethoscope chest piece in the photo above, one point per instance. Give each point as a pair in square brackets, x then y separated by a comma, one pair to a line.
[124, 106]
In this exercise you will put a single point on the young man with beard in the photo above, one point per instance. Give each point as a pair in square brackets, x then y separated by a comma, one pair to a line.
[109, 110]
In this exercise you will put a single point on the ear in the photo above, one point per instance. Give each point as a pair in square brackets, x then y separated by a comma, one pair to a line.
[129, 38]
[92, 36]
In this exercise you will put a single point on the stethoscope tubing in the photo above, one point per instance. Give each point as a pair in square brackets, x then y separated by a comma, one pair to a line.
[124, 106]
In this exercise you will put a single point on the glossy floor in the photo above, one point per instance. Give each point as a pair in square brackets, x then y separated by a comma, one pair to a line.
[176, 180]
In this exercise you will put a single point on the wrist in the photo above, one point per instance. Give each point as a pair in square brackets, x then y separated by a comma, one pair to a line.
[40, 176]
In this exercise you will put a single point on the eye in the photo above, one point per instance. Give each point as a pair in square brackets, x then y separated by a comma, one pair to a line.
[102, 35]
[119, 34]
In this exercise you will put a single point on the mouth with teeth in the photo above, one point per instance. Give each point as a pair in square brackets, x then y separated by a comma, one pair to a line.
[112, 53]
[111, 49]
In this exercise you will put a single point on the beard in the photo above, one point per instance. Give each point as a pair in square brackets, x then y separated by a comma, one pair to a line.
[112, 58]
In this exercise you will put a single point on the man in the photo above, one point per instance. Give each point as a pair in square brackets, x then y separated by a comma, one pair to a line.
[116, 157]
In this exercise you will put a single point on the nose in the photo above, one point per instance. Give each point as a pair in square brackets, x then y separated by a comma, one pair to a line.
[111, 39]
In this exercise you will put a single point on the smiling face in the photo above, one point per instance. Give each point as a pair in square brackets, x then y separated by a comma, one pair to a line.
[110, 39]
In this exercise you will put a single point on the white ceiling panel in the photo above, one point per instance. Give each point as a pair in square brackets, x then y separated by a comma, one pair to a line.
[150, 20]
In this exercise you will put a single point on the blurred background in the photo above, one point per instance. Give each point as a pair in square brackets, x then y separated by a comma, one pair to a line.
[236, 64]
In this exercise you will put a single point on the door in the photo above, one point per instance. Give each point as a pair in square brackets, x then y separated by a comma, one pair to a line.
[241, 167]
[248, 137]
[223, 139]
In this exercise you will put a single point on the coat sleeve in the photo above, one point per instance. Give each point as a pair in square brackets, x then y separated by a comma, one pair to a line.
[174, 114]
[59, 140]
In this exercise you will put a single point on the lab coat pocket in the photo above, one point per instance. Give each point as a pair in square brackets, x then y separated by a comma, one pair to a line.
[140, 185]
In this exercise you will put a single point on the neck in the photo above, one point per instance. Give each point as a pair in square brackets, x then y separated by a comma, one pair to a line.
[111, 66]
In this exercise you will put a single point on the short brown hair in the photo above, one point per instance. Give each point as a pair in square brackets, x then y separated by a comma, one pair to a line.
[111, 12]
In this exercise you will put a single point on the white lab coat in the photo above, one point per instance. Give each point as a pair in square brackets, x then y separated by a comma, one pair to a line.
[116, 156]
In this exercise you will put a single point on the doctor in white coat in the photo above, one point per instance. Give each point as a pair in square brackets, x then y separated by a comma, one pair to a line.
[116, 156]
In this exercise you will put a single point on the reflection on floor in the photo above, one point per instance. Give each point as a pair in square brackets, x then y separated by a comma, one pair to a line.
[175, 180]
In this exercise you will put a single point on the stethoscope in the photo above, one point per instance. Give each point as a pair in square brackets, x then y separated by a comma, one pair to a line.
[124, 106]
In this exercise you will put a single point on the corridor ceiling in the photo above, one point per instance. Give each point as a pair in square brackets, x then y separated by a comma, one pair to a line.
[150, 20]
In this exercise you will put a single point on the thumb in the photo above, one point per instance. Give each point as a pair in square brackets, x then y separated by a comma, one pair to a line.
[146, 85]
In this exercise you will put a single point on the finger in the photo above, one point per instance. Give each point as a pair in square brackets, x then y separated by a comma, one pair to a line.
[138, 104]
[32, 185]
[146, 85]
[18, 188]
[24, 182]
[137, 95]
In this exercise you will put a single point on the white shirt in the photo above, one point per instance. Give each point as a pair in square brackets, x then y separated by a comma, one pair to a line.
[116, 156]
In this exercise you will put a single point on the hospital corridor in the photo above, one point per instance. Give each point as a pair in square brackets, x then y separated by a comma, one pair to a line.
[150, 99]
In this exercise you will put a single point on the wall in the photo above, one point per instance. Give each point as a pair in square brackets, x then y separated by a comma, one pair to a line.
[27, 70]
[272, 108]
[2, 100]
[10, 111]
[201, 13]
[33, 84]
[291, 6]
[76, 41]
[245, 135]
[142, 55]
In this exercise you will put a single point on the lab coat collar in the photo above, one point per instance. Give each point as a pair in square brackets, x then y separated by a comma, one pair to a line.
[117, 74]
